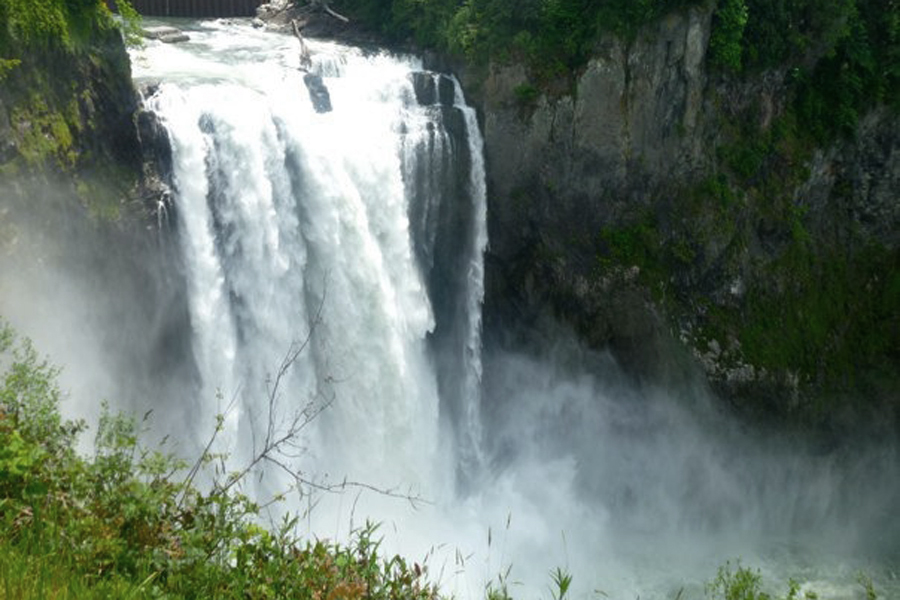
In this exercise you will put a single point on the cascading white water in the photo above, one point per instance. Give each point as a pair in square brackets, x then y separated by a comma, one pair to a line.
[294, 224]
[363, 230]
[471, 395]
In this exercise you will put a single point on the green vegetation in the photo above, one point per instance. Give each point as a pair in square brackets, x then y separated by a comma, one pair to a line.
[728, 33]
[66, 80]
[745, 584]
[553, 36]
[819, 305]
[7, 65]
[742, 583]
[46, 132]
[127, 522]
[30, 25]
[843, 55]
[812, 302]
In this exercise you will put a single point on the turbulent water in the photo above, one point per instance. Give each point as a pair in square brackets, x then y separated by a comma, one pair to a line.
[334, 266]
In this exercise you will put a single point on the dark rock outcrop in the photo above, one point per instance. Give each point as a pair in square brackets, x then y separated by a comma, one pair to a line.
[612, 209]
[433, 88]
[318, 93]
[7, 144]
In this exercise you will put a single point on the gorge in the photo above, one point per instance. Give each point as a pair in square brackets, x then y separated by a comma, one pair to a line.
[362, 231]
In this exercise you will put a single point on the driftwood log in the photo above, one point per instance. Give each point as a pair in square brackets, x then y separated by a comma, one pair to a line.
[305, 55]
[318, 92]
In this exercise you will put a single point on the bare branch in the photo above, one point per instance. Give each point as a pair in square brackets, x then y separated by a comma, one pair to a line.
[345, 484]
[195, 468]
[281, 441]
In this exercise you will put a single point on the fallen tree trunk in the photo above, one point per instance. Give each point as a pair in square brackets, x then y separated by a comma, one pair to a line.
[305, 55]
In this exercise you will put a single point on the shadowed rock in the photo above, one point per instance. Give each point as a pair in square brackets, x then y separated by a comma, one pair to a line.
[432, 88]
[318, 93]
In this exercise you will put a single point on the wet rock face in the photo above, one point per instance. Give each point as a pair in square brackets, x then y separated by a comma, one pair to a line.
[84, 105]
[563, 168]
[632, 125]
[869, 170]
[433, 88]
[157, 149]
[641, 126]
[7, 145]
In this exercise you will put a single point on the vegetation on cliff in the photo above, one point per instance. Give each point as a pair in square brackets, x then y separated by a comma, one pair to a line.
[814, 293]
[846, 50]
[554, 37]
[28, 25]
[843, 55]
[66, 100]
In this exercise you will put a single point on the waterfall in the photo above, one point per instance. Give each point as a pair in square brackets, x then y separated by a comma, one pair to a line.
[334, 266]
[446, 185]
[328, 231]
[474, 288]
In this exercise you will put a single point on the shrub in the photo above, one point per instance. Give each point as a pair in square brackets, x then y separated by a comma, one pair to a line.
[128, 520]
[728, 31]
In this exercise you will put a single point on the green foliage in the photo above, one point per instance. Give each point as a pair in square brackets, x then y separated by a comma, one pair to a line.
[127, 522]
[37, 22]
[526, 94]
[562, 581]
[746, 584]
[553, 36]
[868, 587]
[131, 23]
[49, 133]
[7, 65]
[727, 33]
[634, 244]
[816, 306]
[62, 66]
[779, 32]
[799, 312]
[844, 54]
[67, 25]
[741, 584]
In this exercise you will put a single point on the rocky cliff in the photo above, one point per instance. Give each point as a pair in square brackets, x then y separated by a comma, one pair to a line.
[678, 214]
[84, 268]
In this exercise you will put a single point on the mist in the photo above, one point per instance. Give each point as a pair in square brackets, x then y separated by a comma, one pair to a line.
[640, 493]
[291, 224]
[637, 492]
[103, 301]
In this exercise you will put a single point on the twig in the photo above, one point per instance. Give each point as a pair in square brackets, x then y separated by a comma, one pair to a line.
[337, 16]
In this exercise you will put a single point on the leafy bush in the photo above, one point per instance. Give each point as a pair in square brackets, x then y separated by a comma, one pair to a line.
[128, 520]
[728, 31]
